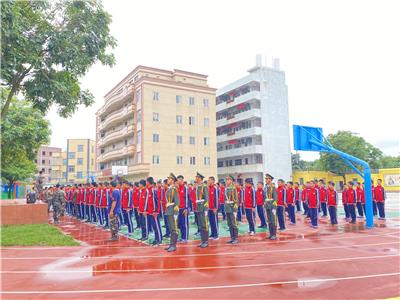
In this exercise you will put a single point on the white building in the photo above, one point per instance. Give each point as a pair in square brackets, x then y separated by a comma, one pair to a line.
[253, 125]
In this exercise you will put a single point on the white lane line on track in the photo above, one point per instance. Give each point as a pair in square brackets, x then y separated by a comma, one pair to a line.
[204, 287]
[201, 254]
[267, 242]
[209, 268]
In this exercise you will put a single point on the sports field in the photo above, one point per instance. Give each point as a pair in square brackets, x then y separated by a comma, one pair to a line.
[330, 263]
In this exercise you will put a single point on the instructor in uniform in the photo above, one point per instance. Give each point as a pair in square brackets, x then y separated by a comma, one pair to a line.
[201, 209]
[231, 208]
[172, 210]
[270, 205]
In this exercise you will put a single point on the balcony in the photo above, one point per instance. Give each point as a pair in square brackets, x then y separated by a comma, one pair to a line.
[238, 100]
[139, 169]
[252, 113]
[241, 169]
[116, 135]
[239, 134]
[116, 101]
[117, 153]
[117, 116]
[253, 149]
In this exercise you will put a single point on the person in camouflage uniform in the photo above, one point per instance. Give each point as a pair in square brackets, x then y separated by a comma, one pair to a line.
[58, 203]
[201, 209]
[48, 196]
[39, 184]
[231, 208]
[114, 208]
[270, 205]
[172, 211]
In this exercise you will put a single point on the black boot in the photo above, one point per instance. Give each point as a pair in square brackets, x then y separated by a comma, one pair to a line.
[272, 232]
[235, 236]
[231, 233]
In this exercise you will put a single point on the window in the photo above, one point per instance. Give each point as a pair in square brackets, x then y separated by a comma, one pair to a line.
[156, 96]
[71, 168]
[238, 162]
[80, 161]
[246, 161]
[43, 161]
[71, 155]
[206, 122]
[156, 137]
[139, 116]
[192, 160]
[43, 152]
[139, 137]
[80, 148]
[191, 100]
[179, 139]
[192, 140]
[139, 157]
[178, 119]
[64, 161]
[191, 120]
[156, 117]
[126, 142]
[207, 161]
[178, 99]
[205, 102]
[156, 160]
[206, 141]
[220, 164]
[179, 160]
[79, 175]
[113, 146]
[65, 175]
[50, 153]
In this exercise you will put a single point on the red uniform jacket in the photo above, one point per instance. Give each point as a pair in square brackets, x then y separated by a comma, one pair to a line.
[313, 197]
[125, 199]
[183, 197]
[151, 204]
[360, 193]
[104, 196]
[192, 195]
[351, 196]
[322, 194]
[304, 193]
[260, 196]
[296, 194]
[91, 196]
[97, 197]
[135, 197]
[290, 196]
[281, 192]
[213, 197]
[379, 193]
[344, 196]
[240, 193]
[332, 197]
[249, 197]
[142, 200]
[221, 194]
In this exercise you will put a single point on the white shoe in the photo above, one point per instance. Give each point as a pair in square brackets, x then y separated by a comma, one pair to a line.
[252, 233]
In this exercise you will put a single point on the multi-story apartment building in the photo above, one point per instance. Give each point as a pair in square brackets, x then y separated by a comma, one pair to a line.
[48, 159]
[253, 125]
[157, 121]
[79, 161]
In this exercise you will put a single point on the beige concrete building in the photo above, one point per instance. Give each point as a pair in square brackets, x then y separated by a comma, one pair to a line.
[158, 121]
[48, 159]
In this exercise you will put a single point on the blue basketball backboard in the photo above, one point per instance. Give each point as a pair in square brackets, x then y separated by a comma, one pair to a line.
[302, 136]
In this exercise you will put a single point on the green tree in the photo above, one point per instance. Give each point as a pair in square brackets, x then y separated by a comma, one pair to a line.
[47, 46]
[389, 162]
[353, 145]
[23, 132]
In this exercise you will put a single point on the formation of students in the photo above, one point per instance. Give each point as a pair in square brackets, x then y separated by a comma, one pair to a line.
[146, 202]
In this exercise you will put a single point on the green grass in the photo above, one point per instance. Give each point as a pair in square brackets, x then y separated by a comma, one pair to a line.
[34, 235]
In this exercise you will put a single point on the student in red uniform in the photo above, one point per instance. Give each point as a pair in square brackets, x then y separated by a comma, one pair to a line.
[297, 196]
[85, 200]
[151, 207]
[374, 206]
[351, 201]
[104, 198]
[183, 216]
[143, 198]
[125, 205]
[222, 199]
[281, 204]
[135, 198]
[359, 194]
[304, 191]
[344, 202]
[250, 204]
[97, 204]
[78, 200]
[240, 194]
[260, 200]
[332, 202]
[163, 206]
[363, 199]
[290, 201]
[313, 204]
[213, 205]
[380, 198]
[322, 197]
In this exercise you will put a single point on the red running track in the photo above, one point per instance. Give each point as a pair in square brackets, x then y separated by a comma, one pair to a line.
[346, 261]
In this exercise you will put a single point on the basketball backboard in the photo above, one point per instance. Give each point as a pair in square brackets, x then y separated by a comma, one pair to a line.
[302, 136]
[119, 170]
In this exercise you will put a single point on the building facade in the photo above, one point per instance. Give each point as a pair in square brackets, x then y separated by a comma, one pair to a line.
[79, 161]
[48, 159]
[253, 125]
[158, 121]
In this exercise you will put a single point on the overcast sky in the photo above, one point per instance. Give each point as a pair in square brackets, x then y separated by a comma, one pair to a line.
[341, 58]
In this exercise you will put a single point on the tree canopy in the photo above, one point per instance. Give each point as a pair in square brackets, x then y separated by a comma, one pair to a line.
[47, 46]
[23, 132]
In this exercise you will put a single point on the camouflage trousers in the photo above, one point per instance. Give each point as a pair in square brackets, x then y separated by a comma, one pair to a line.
[114, 226]
[57, 211]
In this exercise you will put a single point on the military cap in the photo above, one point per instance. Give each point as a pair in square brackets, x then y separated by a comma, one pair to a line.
[269, 176]
[230, 177]
[57, 185]
[180, 177]
[199, 175]
[159, 181]
[171, 175]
